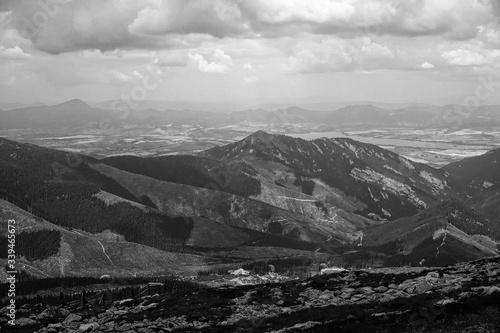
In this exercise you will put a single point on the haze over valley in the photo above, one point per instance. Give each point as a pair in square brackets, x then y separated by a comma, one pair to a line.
[429, 134]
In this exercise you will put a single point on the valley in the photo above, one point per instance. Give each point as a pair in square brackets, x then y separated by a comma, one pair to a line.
[428, 134]
[249, 166]
[141, 200]
[265, 196]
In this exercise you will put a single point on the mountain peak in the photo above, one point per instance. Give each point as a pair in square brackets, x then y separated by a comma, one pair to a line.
[74, 103]
[260, 134]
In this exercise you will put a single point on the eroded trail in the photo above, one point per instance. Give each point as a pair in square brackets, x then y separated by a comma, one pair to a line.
[442, 243]
[98, 241]
[104, 251]
[297, 199]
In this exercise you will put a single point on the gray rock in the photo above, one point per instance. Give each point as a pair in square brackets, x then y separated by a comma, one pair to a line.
[24, 322]
[72, 318]
[88, 327]
[64, 312]
[365, 290]
[380, 289]
[490, 291]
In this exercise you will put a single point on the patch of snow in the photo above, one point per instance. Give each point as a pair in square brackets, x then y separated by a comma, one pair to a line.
[331, 270]
[487, 184]
[391, 169]
[353, 148]
[414, 159]
[387, 183]
[239, 271]
[433, 181]
[439, 233]
[111, 199]
[386, 213]
[317, 147]
[406, 163]
[371, 194]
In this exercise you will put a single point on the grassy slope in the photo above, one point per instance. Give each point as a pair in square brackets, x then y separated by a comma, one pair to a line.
[81, 253]
[220, 206]
[458, 232]
[382, 180]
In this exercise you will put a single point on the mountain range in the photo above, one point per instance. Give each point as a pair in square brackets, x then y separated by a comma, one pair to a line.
[77, 114]
[266, 196]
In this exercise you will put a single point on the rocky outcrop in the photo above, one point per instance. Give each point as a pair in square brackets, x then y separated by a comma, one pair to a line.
[400, 299]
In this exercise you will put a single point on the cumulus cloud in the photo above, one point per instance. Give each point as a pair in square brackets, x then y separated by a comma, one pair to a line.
[121, 78]
[220, 63]
[69, 43]
[84, 24]
[215, 17]
[316, 57]
[65, 26]
[427, 65]
[464, 57]
[14, 53]
[334, 54]
[348, 18]
[291, 11]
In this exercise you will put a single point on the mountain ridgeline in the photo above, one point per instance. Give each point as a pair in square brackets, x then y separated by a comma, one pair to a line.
[78, 114]
[265, 196]
[387, 184]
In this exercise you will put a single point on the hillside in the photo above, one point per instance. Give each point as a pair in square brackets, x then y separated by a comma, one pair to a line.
[78, 253]
[447, 233]
[192, 170]
[387, 185]
[70, 114]
[464, 173]
[76, 192]
[478, 180]
[265, 196]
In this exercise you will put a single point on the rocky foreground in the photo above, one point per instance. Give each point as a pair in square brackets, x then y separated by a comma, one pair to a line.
[460, 298]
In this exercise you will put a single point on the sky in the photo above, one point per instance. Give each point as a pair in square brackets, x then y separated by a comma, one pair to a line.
[429, 51]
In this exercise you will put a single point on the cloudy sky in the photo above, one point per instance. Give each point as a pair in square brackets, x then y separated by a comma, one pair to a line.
[250, 50]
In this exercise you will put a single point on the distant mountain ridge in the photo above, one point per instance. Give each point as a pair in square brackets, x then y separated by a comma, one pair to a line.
[76, 113]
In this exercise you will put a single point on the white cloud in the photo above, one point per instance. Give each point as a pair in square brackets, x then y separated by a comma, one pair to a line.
[336, 54]
[427, 65]
[373, 55]
[121, 77]
[464, 57]
[14, 53]
[320, 11]
[215, 17]
[315, 57]
[489, 34]
[220, 64]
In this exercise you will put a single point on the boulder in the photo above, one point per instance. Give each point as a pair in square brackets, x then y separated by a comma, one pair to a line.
[24, 322]
[72, 318]
[88, 327]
